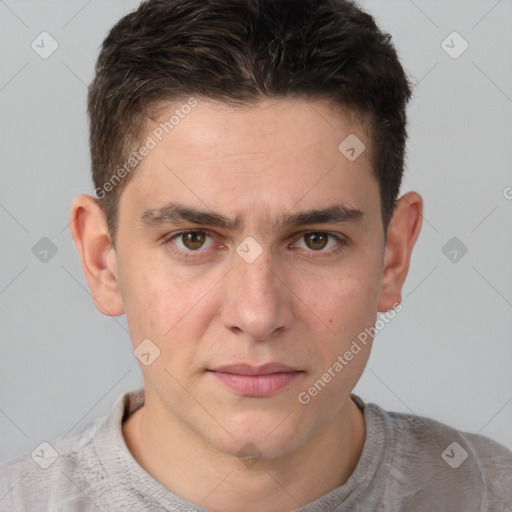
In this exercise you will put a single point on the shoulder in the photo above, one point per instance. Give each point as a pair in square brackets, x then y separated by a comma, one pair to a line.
[69, 472]
[445, 467]
[48, 475]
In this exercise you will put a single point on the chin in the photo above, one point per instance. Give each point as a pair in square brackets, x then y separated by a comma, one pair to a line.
[269, 440]
[249, 450]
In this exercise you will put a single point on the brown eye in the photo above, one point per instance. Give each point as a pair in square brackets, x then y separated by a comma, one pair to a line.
[316, 241]
[193, 240]
[190, 244]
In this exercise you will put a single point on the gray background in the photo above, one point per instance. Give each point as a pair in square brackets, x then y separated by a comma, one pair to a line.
[447, 354]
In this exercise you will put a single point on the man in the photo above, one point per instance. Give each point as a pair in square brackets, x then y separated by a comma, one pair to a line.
[247, 157]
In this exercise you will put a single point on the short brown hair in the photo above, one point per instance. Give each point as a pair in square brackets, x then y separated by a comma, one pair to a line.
[239, 52]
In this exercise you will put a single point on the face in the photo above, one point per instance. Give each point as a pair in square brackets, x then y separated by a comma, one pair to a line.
[250, 303]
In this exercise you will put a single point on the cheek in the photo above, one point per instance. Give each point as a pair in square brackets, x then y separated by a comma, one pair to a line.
[350, 305]
[348, 309]
[165, 303]
[350, 291]
[149, 298]
[341, 355]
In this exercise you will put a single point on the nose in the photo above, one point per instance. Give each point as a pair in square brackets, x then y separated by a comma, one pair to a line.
[259, 301]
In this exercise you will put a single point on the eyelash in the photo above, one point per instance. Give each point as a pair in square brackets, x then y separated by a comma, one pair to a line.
[342, 242]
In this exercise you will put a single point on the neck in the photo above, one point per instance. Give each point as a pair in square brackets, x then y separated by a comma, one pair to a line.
[197, 472]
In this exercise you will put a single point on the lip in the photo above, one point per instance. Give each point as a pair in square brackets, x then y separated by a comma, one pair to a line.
[247, 369]
[256, 381]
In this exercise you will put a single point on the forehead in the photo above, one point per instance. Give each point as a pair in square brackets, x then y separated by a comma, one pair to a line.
[270, 125]
[286, 150]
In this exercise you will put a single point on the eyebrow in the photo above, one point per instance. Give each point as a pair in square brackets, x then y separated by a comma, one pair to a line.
[174, 214]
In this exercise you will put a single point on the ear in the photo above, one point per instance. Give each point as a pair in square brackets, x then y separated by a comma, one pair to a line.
[98, 257]
[403, 231]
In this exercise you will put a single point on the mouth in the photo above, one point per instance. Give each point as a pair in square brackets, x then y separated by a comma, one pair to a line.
[256, 381]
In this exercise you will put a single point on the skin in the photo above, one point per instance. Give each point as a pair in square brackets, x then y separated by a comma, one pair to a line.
[194, 434]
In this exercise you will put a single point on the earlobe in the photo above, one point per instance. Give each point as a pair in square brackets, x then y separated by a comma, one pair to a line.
[403, 231]
[98, 258]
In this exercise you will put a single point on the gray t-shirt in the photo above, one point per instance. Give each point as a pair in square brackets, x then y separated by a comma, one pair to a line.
[408, 463]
